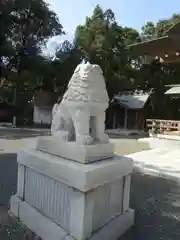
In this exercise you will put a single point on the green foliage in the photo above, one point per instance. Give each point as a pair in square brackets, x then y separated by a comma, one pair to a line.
[26, 25]
[104, 42]
[151, 30]
[68, 56]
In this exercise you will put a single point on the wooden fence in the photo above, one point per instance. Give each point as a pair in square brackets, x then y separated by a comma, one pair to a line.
[159, 126]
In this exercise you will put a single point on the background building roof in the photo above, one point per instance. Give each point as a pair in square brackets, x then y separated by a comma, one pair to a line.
[133, 100]
[173, 90]
[166, 48]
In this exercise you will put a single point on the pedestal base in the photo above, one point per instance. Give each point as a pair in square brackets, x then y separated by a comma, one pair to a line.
[86, 201]
[47, 229]
[73, 151]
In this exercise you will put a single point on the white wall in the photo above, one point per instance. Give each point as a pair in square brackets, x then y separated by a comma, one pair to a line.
[42, 115]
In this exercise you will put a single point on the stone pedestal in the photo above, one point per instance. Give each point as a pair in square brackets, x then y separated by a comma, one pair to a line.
[61, 199]
[75, 152]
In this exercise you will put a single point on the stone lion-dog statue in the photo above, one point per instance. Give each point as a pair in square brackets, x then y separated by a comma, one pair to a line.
[80, 116]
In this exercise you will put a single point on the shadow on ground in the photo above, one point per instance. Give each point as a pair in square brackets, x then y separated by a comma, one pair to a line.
[8, 177]
[20, 134]
[116, 136]
[155, 200]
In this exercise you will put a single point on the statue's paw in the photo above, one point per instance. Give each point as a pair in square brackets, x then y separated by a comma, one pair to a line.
[103, 138]
[84, 140]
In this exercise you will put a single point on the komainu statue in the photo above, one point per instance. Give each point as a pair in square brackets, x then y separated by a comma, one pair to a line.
[80, 116]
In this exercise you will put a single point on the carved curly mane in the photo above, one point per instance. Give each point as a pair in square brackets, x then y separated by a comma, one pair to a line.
[87, 85]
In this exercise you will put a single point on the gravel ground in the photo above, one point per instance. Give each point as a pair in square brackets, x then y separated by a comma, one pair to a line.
[157, 205]
[155, 200]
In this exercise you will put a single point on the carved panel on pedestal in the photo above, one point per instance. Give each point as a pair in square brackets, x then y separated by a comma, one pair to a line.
[108, 202]
[49, 196]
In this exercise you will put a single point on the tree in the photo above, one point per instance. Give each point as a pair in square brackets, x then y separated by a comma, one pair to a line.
[148, 31]
[67, 58]
[6, 24]
[151, 30]
[103, 42]
[32, 23]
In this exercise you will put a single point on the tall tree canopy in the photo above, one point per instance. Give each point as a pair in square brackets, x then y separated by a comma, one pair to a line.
[25, 26]
[103, 42]
[153, 30]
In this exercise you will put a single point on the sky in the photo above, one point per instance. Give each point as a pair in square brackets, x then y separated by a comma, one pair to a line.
[131, 13]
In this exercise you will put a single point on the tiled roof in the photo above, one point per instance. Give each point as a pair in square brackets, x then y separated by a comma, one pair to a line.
[132, 101]
[173, 90]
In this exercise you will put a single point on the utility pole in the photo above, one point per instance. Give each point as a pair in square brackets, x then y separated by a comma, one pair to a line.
[14, 104]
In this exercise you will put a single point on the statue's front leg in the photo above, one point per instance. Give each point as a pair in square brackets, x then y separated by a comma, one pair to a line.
[81, 119]
[99, 125]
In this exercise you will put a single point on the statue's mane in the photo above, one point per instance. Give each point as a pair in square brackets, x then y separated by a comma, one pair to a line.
[87, 82]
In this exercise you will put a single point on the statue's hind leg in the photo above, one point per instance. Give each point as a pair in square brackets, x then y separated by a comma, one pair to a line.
[62, 125]
[81, 120]
[69, 132]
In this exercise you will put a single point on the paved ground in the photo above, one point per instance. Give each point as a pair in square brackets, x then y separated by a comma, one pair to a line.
[157, 205]
[156, 200]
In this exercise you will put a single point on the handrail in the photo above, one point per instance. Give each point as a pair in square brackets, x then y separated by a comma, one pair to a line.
[162, 126]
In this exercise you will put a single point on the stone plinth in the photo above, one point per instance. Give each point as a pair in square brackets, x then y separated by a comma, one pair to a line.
[61, 199]
[73, 151]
